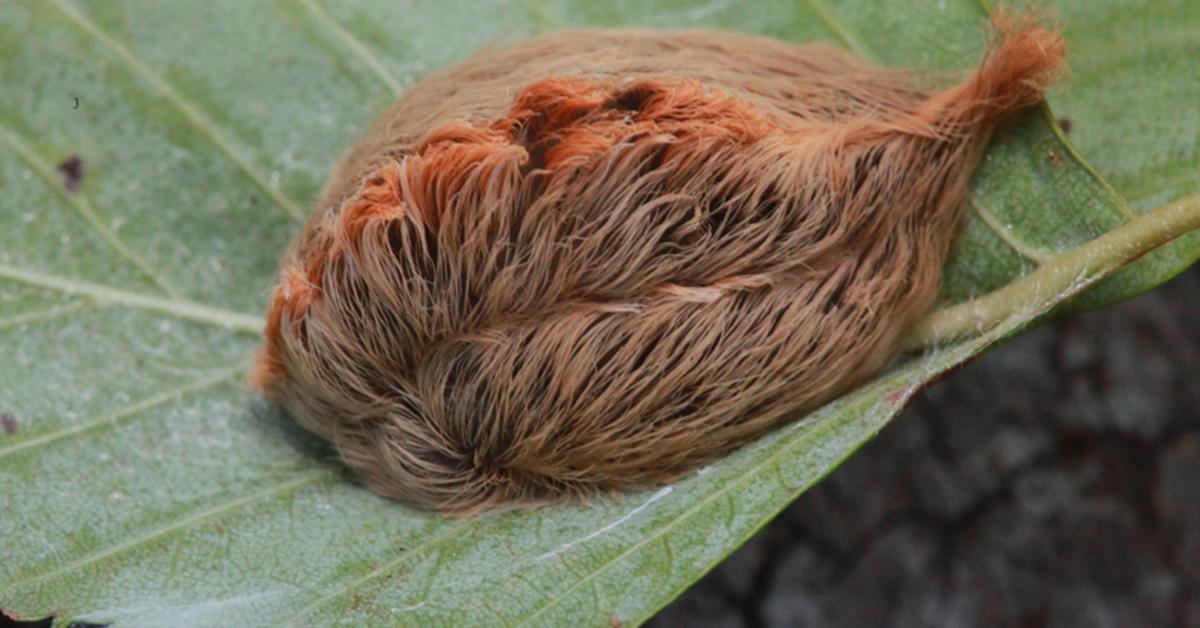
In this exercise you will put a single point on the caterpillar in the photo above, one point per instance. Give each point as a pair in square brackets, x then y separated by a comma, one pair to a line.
[600, 259]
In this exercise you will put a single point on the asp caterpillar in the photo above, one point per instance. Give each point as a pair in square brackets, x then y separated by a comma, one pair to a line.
[600, 259]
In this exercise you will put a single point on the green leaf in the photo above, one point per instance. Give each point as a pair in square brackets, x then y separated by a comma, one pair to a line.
[142, 484]
[1133, 103]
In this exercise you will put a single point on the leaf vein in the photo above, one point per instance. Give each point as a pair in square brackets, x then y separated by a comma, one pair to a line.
[179, 308]
[839, 28]
[44, 314]
[1144, 186]
[351, 41]
[193, 114]
[449, 532]
[177, 526]
[114, 417]
[84, 208]
[1015, 242]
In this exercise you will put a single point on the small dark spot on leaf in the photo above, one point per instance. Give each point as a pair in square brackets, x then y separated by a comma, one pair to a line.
[615, 622]
[253, 200]
[1065, 123]
[1055, 159]
[9, 422]
[76, 103]
[72, 171]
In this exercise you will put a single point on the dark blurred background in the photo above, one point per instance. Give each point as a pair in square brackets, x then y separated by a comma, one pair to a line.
[1053, 482]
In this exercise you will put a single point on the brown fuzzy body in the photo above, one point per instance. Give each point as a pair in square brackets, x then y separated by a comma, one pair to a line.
[600, 259]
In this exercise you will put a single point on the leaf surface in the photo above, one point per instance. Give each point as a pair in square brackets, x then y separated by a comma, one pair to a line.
[142, 485]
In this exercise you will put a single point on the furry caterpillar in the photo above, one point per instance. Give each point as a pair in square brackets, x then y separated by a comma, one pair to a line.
[600, 259]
